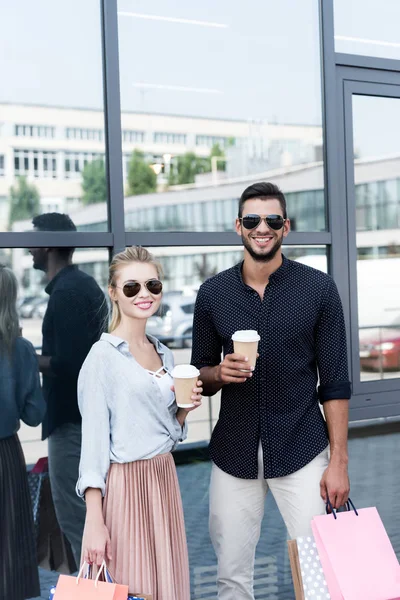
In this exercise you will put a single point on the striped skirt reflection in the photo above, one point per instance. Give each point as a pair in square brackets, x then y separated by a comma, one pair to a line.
[19, 577]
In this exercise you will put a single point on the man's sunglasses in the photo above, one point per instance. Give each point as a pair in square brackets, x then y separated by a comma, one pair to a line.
[132, 288]
[275, 222]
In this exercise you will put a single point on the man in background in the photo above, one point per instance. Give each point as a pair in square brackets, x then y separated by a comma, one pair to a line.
[75, 317]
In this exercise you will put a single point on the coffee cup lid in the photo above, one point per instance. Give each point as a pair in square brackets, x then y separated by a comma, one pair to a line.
[246, 335]
[185, 371]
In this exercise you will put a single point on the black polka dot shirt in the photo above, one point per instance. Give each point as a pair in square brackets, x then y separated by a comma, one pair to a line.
[302, 362]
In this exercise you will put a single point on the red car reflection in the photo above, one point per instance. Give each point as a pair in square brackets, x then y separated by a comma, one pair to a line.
[380, 350]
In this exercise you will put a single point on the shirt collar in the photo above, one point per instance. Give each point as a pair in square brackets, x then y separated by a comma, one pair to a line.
[50, 286]
[279, 274]
[116, 341]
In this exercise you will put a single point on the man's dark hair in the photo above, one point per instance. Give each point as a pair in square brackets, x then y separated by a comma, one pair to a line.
[263, 191]
[55, 222]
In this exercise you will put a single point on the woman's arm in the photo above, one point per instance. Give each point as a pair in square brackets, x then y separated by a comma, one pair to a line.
[30, 398]
[94, 384]
[93, 381]
[96, 544]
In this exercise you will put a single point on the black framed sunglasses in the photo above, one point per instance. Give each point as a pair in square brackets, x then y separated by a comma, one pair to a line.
[275, 222]
[132, 288]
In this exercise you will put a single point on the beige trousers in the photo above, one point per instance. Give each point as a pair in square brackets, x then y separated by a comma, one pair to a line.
[237, 510]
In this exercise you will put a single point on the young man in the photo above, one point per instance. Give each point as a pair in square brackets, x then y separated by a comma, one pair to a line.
[75, 317]
[271, 434]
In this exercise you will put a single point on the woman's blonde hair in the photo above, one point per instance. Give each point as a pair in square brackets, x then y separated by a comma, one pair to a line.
[129, 255]
[9, 322]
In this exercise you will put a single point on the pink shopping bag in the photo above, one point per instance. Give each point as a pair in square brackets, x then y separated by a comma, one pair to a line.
[357, 557]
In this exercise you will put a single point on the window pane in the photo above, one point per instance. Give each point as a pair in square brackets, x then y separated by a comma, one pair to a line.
[51, 90]
[378, 234]
[185, 269]
[205, 133]
[32, 304]
[367, 27]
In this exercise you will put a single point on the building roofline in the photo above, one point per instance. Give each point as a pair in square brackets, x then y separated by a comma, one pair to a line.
[158, 114]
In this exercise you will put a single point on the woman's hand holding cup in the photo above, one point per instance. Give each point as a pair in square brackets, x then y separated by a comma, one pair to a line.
[196, 396]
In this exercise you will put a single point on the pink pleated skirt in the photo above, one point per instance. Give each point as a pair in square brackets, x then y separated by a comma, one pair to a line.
[144, 516]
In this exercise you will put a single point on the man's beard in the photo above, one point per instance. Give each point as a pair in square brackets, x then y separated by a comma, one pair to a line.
[268, 256]
[40, 264]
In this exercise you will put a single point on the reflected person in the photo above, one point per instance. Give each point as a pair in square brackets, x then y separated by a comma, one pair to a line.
[75, 318]
[271, 434]
[20, 400]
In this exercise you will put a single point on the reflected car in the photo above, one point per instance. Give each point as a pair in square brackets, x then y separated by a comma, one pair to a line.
[28, 307]
[381, 349]
[40, 309]
[173, 323]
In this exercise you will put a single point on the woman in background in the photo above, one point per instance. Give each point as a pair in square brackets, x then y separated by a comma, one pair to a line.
[20, 399]
[130, 424]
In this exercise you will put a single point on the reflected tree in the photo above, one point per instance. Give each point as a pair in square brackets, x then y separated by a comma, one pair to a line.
[141, 177]
[94, 183]
[24, 201]
[204, 269]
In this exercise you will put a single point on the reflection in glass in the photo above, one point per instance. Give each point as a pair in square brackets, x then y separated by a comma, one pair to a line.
[32, 304]
[377, 163]
[367, 28]
[204, 136]
[52, 147]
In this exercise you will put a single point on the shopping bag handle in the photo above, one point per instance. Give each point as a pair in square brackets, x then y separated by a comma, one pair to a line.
[88, 567]
[349, 506]
[103, 568]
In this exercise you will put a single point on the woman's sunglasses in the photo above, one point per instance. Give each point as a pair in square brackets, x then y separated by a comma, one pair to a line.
[132, 288]
[275, 222]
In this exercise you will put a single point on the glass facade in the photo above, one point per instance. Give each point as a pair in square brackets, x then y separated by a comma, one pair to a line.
[367, 27]
[378, 265]
[145, 124]
[51, 118]
[214, 131]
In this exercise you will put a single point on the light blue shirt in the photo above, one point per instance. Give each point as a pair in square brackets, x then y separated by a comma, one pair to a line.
[125, 415]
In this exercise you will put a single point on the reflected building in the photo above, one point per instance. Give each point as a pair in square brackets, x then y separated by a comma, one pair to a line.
[50, 146]
[213, 207]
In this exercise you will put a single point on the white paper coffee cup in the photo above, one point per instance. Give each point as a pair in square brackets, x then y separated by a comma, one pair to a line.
[245, 342]
[185, 379]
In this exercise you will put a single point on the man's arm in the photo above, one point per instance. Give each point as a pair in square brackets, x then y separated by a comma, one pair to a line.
[44, 364]
[335, 482]
[334, 393]
[230, 370]
[206, 351]
[212, 382]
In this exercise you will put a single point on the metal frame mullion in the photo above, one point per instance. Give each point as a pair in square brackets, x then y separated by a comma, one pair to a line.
[211, 238]
[112, 122]
[54, 239]
[367, 62]
[335, 203]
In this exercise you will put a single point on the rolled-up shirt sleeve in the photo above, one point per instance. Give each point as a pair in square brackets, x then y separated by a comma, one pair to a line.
[207, 344]
[95, 450]
[331, 347]
[181, 432]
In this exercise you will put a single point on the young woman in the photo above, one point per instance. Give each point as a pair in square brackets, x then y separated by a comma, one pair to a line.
[20, 399]
[130, 424]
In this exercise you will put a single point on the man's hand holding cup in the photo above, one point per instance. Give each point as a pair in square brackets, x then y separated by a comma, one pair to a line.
[239, 366]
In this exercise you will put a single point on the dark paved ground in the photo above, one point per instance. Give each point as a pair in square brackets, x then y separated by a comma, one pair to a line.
[375, 478]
